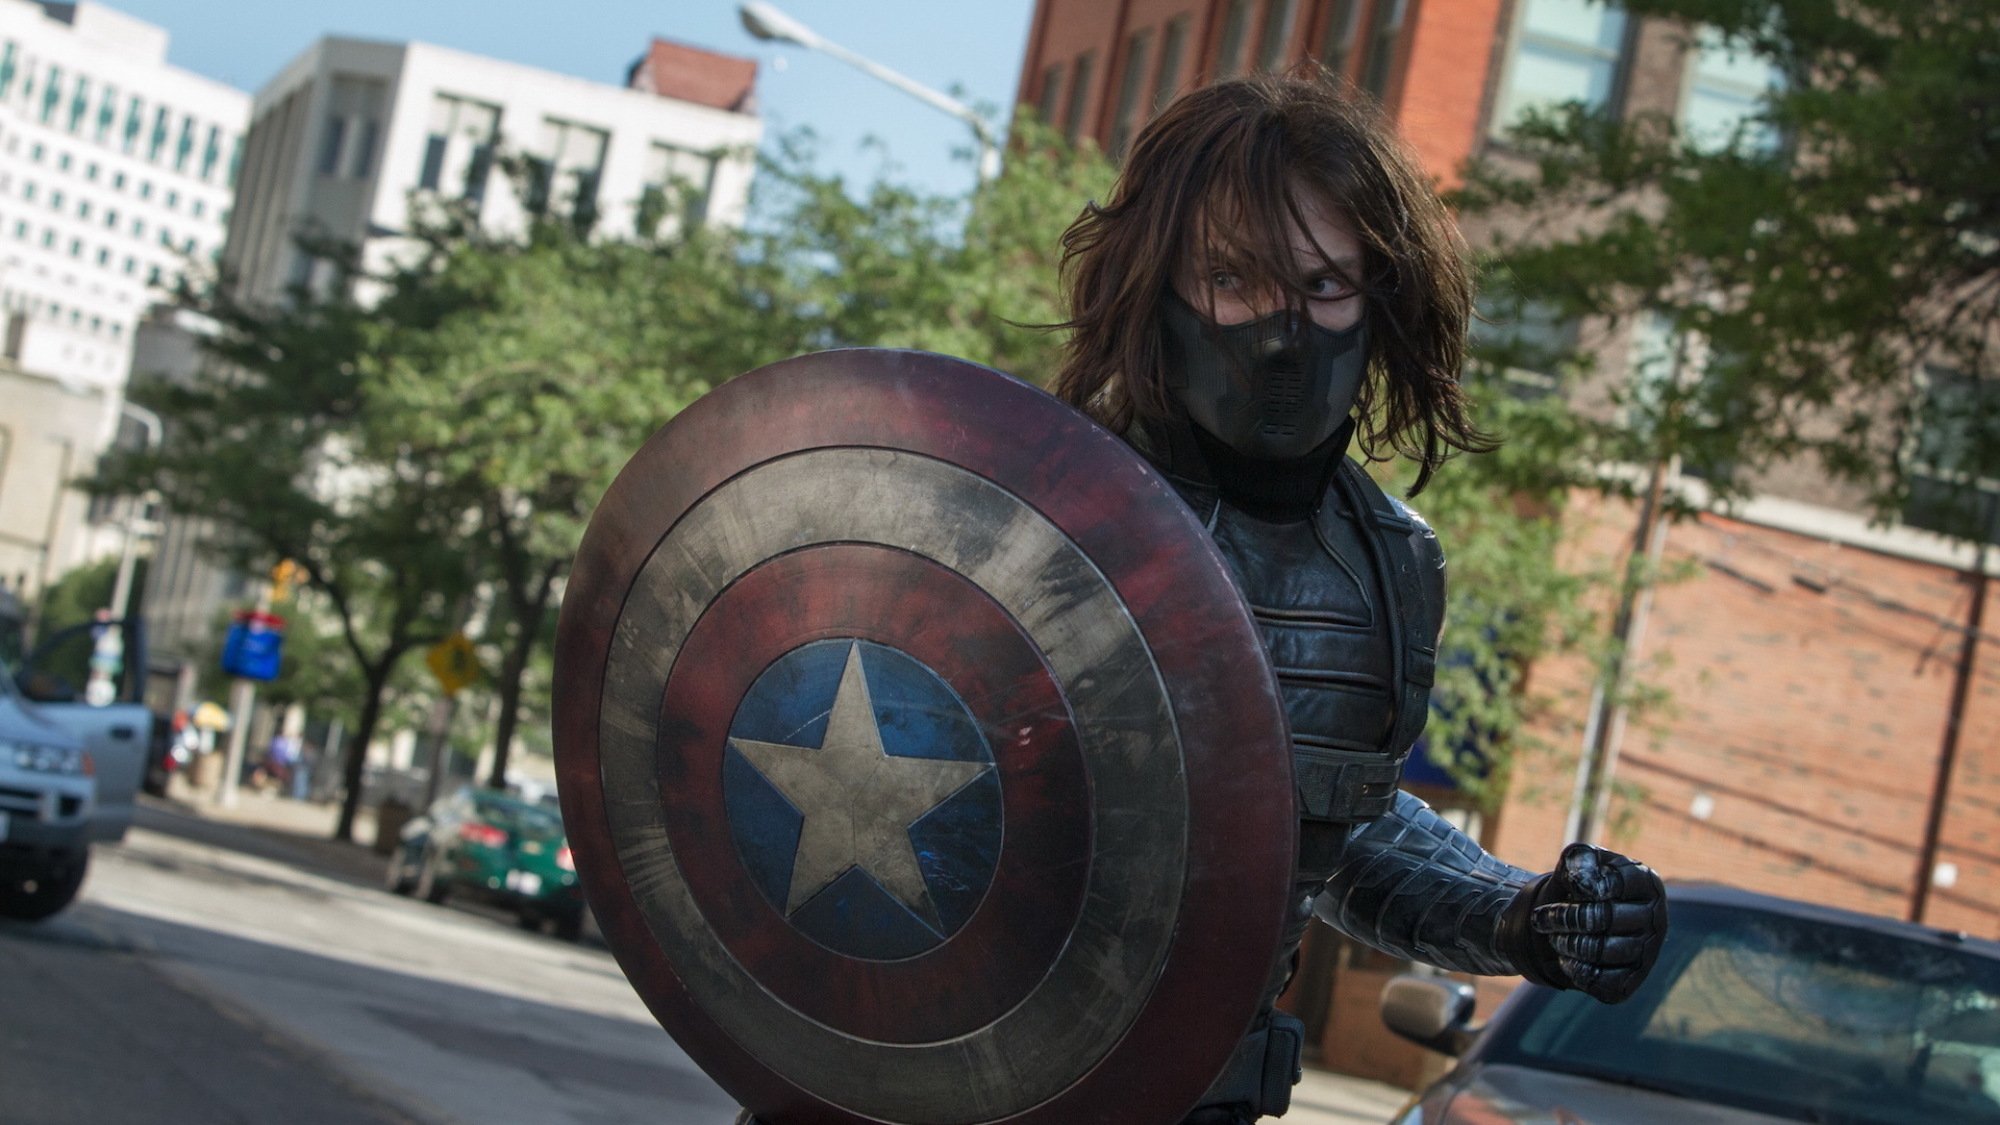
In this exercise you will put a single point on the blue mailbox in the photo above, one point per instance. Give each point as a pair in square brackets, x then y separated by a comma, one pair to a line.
[253, 645]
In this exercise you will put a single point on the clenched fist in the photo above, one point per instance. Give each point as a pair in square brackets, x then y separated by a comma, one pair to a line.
[1595, 923]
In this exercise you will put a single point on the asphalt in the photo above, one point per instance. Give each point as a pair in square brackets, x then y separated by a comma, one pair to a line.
[299, 834]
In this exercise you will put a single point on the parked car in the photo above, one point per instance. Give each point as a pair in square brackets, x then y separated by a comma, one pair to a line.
[47, 794]
[487, 845]
[90, 679]
[1761, 1009]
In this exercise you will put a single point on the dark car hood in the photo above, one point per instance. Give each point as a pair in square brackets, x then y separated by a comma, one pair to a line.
[1504, 1095]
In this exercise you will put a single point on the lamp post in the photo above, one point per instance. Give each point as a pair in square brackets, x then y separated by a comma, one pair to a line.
[766, 22]
[121, 590]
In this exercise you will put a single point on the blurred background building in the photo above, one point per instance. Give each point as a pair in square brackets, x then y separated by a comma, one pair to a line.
[117, 172]
[352, 134]
[1822, 667]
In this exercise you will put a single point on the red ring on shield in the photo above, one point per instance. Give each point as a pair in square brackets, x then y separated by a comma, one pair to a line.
[914, 605]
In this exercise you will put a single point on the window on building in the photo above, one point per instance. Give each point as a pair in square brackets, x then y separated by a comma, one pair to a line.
[332, 141]
[157, 143]
[55, 200]
[48, 236]
[51, 94]
[118, 181]
[173, 199]
[152, 275]
[135, 123]
[1563, 51]
[1050, 102]
[678, 184]
[1726, 88]
[1524, 345]
[184, 147]
[1953, 458]
[62, 162]
[363, 164]
[28, 190]
[131, 264]
[1235, 29]
[36, 152]
[1173, 48]
[90, 171]
[111, 217]
[1138, 52]
[83, 208]
[21, 230]
[1277, 34]
[104, 255]
[462, 135]
[1336, 49]
[79, 104]
[198, 208]
[211, 152]
[187, 246]
[107, 113]
[7, 68]
[1385, 42]
[567, 169]
[1079, 93]
[138, 228]
[145, 189]
[76, 247]
[166, 238]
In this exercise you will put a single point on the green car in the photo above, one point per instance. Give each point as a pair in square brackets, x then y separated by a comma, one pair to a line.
[483, 844]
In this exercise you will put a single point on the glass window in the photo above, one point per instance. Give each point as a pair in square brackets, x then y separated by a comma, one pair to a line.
[51, 94]
[76, 247]
[79, 104]
[461, 130]
[135, 122]
[1138, 52]
[1051, 99]
[28, 190]
[1235, 29]
[157, 143]
[184, 148]
[1336, 50]
[571, 162]
[1385, 40]
[198, 208]
[1951, 459]
[1727, 86]
[1564, 51]
[145, 189]
[118, 181]
[1277, 34]
[111, 217]
[62, 162]
[90, 171]
[104, 255]
[1173, 46]
[173, 199]
[107, 113]
[83, 208]
[7, 67]
[331, 142]
[363, 164]
[678, 183]
[55, 200]
[1079, 91]
[211, 152]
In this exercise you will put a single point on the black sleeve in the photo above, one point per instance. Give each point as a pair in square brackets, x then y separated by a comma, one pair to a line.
[1412, 885]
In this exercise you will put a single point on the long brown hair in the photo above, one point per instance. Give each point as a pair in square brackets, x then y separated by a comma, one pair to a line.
[1240, 154]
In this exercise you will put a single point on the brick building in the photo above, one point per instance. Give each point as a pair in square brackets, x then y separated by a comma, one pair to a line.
[1816, 666]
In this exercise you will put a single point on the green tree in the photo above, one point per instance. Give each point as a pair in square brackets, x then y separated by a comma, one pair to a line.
[1828, 260]
[267, 442]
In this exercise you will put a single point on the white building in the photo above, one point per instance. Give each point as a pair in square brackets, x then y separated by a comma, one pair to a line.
[353, 133]
[116, 175]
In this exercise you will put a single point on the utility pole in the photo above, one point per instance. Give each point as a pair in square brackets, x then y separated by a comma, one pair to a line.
[1954, 725]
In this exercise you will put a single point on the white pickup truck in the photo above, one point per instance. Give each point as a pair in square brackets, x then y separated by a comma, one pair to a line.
[101, 705]
[47, 785]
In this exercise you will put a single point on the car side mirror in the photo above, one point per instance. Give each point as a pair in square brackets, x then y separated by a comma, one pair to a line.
[1430, 1012]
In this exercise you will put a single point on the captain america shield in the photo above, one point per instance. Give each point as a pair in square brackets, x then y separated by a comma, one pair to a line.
[920, 760]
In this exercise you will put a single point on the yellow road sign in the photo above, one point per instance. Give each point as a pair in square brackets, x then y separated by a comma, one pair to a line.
[454, 663]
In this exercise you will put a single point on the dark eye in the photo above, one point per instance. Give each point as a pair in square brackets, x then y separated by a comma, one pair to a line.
[1223, 279]
[1327, 288]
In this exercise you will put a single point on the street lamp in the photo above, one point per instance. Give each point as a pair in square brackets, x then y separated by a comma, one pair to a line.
[768, 23]
[121, 590]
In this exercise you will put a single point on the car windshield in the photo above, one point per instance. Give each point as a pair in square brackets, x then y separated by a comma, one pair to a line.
[1792, 1017]
[519, 819]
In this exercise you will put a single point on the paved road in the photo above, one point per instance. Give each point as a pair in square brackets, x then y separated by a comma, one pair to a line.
[215, 973]
[203, 977]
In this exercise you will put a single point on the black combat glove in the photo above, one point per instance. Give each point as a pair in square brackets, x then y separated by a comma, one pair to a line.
[1595, 923]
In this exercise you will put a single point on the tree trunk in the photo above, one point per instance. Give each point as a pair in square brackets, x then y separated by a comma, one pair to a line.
[527, 630]
[354, 759]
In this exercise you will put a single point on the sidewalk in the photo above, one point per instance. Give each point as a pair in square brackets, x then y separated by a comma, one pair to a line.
[301, 833]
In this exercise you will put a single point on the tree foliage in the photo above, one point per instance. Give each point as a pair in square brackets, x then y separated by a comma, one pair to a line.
[1829, 260]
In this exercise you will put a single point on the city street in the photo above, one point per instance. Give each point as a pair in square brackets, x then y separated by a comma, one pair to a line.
[204, 976]
[218, 972]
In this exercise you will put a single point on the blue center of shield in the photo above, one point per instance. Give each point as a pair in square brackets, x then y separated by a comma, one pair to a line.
[862, 799]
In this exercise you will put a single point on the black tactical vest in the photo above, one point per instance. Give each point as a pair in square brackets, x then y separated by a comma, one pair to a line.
[1350, 603]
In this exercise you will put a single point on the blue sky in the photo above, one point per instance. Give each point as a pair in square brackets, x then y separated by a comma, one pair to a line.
[974, 46]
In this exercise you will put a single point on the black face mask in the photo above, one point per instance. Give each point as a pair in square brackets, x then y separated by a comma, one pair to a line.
[1272, 388]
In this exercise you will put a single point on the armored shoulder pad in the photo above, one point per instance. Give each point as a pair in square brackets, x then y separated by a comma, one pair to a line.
[1430, 566]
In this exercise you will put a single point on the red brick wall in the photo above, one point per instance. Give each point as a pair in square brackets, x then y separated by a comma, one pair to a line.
[1809, 723]
[1444, 82]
